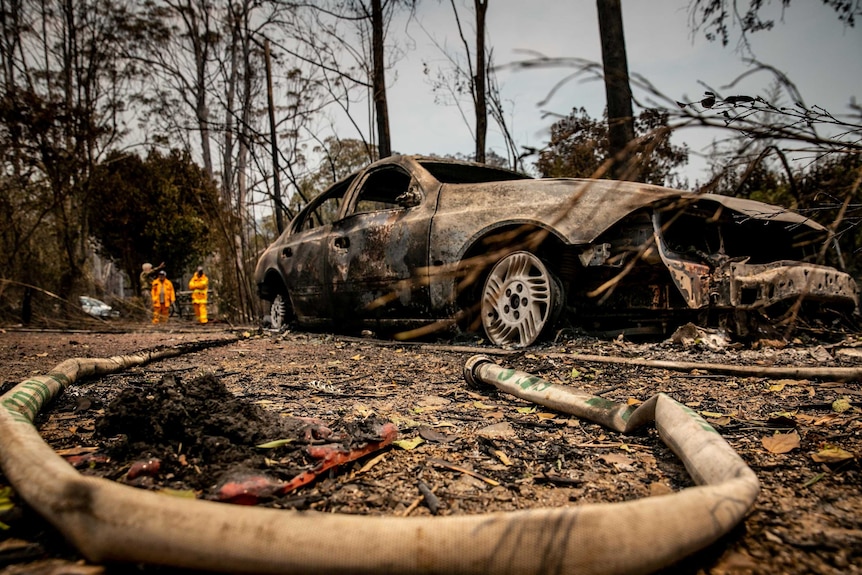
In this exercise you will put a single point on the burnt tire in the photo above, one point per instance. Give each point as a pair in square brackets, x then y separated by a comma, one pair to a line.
[280, 312]
[521, 299]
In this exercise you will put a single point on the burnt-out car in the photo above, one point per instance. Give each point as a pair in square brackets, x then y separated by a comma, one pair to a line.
[413, 244]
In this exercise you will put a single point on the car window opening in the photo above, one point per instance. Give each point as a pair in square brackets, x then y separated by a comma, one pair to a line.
[454, 173]
[381, 190]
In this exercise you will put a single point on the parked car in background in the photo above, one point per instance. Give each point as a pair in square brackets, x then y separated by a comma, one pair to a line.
[97, 308]
[417, 244]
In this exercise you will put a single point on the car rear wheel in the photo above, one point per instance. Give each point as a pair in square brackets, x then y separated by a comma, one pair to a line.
[279, 312]
[520, 299]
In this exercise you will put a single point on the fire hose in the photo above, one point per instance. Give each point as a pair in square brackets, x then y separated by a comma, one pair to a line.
[110, 522]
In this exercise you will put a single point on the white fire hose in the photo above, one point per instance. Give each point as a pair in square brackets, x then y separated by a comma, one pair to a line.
[110, 522]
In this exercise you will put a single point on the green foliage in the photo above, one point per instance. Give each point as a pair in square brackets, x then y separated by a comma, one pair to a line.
[153, 210]
[818, 190]
[822, 191]
[28, 254]
[579, 145]
[58, 112]
[492, 158]
[760, 181]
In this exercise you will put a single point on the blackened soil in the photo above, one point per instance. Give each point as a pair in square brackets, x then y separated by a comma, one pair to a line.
[191, 433]
[184, 423]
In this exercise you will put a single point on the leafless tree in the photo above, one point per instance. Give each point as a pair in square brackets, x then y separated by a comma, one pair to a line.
[470, 74]
[481, 9]
[378, 77]
[178, 59]
[347, 41]
[206, 64]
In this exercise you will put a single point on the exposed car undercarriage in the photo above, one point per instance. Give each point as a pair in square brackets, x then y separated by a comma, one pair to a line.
[710, 265]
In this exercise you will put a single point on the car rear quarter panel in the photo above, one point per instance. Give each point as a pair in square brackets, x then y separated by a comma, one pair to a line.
[267, 264]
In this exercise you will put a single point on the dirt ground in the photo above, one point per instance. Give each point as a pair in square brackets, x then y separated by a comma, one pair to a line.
[192, 424]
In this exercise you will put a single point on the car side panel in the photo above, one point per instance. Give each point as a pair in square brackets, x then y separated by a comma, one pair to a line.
[302, 261]
[378, 264]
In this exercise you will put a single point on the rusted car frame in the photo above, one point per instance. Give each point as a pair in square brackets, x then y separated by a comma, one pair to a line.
[412, 241]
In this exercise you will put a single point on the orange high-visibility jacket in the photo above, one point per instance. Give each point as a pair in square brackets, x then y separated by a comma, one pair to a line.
[160, 286]
[198, 285]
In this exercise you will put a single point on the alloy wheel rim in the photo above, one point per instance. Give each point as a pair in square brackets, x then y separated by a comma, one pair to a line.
[517, 300]
[278, 312]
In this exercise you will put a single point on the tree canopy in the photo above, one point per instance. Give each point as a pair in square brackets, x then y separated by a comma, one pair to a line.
[579, 148]
[159, 209]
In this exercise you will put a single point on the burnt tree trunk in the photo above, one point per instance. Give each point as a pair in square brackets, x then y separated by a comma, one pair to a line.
[384, 144]
[481, 7]
[621, 129]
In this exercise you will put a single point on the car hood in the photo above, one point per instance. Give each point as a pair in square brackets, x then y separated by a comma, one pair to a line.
[582, 209]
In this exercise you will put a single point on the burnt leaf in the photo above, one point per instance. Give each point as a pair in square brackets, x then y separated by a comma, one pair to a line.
[733, 100]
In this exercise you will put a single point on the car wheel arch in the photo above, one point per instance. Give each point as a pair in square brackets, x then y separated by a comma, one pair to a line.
[476, 262]
[272, 284]
[510, 237]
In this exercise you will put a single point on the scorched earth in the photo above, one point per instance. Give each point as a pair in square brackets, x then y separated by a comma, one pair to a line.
[193, 426]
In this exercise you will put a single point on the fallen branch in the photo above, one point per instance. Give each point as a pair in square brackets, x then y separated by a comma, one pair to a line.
[464, 470]
[833, 373]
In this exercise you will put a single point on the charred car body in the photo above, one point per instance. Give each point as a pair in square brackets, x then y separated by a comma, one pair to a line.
[411, 242]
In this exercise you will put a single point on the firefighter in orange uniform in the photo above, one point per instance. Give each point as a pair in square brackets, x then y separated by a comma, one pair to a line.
[163, 296]
[198, 284]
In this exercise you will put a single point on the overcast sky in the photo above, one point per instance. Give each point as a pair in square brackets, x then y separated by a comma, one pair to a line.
[810, 45]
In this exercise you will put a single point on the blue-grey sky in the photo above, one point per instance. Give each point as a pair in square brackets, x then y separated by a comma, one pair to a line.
[808, 43]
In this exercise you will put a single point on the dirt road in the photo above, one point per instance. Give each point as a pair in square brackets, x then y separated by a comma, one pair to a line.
[475, 450]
